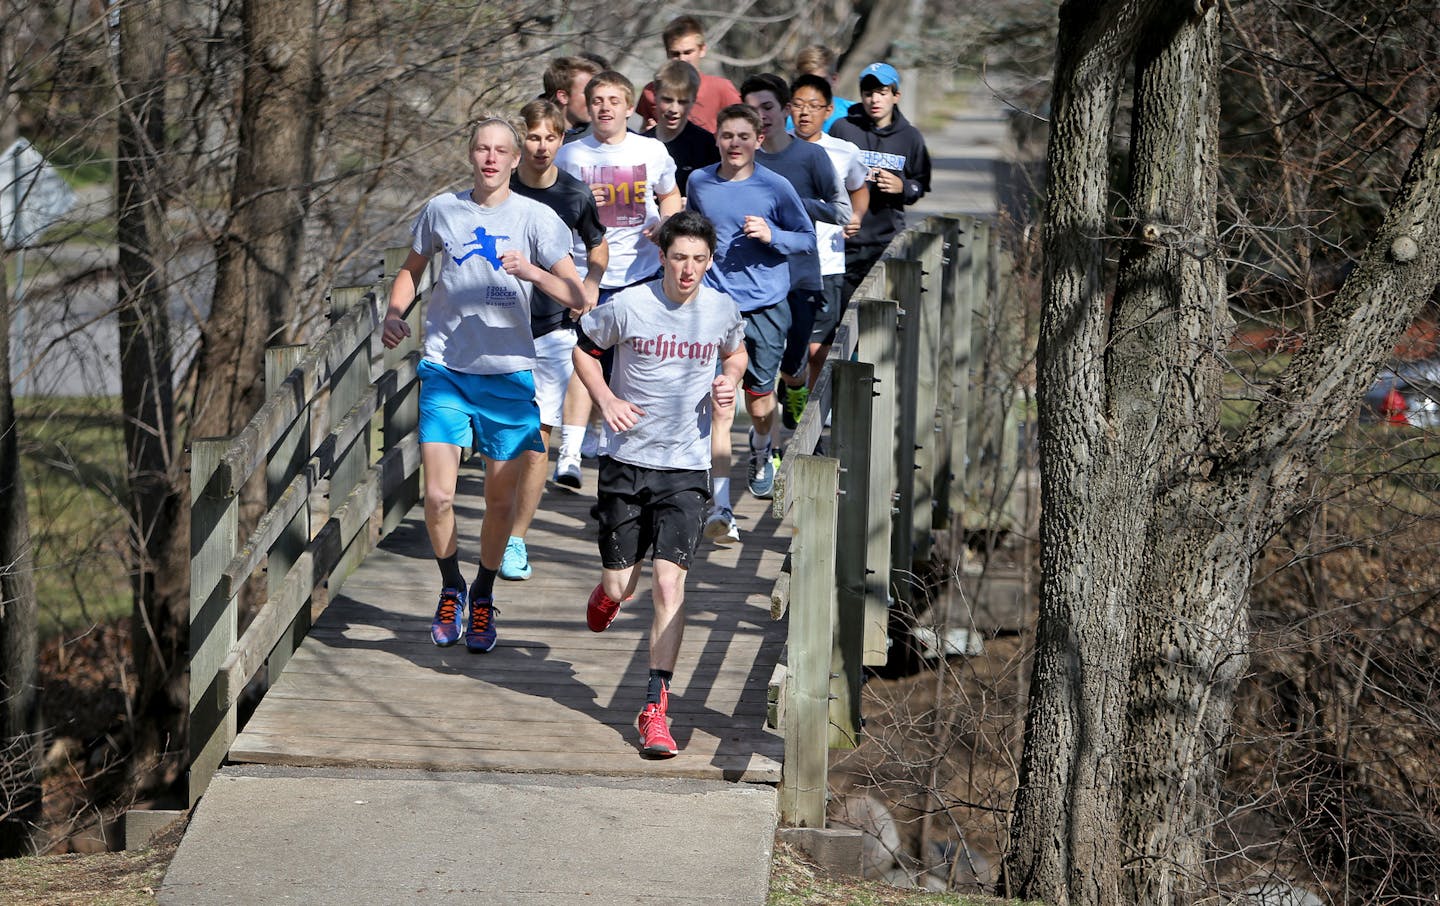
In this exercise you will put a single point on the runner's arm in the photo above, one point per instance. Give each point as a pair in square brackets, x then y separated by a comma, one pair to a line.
[597, 259]
[619, 414]
[402, 293]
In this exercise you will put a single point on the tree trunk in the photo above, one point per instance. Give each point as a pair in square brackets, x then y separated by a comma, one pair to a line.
[257, 255]
[20, 733]
[160, 621]
[1151, 518]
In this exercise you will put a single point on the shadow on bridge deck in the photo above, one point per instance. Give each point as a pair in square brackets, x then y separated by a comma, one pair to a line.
[368, 689]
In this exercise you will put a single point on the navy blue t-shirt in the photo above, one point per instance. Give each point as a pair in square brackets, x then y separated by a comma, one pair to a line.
[692, 149]
[573, 201]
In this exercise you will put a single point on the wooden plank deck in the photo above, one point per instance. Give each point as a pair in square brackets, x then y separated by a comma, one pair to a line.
[368, 689]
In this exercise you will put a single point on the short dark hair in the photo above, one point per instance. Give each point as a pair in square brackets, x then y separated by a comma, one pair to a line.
[767, 81]
[740, 112]
[819, 83]
[686, 223]
[681, 27]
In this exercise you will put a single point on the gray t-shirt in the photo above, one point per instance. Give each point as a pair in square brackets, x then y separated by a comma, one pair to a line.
[664, 363]
[478, 320]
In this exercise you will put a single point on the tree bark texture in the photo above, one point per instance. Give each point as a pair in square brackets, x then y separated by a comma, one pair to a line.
[20, 734]
[257, 255]
[160, 622]
[1151, 519]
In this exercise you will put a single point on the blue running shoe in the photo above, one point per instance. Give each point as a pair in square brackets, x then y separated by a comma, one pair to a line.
[480, 637]
[515, 565]
[762, 474]
[445, 628]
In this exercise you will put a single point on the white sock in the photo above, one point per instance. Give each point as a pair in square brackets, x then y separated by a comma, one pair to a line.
[761, 442]
[570, 438]
[722, 492]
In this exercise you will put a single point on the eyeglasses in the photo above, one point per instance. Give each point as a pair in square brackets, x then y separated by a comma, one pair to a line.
[814, 106]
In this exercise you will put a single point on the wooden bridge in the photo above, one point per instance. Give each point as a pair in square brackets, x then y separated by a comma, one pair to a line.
[368, 688]
[340, 649]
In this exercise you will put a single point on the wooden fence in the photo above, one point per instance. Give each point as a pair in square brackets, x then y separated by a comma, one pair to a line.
[331, 492]
[884, 497]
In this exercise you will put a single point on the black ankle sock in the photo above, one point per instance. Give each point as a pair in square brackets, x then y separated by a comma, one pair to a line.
[658, 679]
[450, 574]
[484, 586]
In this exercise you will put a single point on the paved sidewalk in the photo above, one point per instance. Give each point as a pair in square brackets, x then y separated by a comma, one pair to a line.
[967, 157]
[282, 835]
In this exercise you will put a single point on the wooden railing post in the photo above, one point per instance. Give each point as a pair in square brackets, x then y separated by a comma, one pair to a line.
[961, 271]
[402, 411]
[214, 524]
[815, 480]
[878, 345]
[904, 279]
[945, 383]
[850, 435]
[285, 461]
[349, 384]
[927, 247]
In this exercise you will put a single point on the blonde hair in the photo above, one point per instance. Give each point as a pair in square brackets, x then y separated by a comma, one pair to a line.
[676, 77]
[613, 79]
[816, 59]
[487, 120]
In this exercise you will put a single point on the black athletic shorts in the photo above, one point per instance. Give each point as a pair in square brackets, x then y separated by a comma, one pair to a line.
[640, 509]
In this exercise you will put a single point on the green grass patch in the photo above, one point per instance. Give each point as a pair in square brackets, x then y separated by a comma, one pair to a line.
[82, 166]
[73, 462]
[100, 231]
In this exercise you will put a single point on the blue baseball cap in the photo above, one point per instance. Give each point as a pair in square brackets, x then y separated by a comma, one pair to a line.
[883, 73]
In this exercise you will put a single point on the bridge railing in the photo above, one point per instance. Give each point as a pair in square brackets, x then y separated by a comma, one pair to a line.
[331, 492]
[884, 498]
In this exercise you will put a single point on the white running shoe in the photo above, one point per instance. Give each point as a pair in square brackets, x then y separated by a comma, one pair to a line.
[720, 526]
[567, 472]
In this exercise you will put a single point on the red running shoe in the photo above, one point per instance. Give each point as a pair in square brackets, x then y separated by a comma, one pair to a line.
[600, 611]
[655, 738]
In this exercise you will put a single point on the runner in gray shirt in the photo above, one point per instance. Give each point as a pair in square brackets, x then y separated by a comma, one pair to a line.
[475, 382]
[654, 470]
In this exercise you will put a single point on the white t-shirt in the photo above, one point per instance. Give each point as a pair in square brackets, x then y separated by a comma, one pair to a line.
[634, 171]
[478, 319]
[830, 238]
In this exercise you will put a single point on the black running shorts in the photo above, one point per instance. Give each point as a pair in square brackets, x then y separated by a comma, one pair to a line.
[641, 509]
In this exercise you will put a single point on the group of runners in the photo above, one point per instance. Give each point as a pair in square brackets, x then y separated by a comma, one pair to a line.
[656, 277]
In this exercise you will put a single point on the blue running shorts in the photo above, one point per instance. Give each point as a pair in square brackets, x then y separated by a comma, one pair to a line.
[497, 409]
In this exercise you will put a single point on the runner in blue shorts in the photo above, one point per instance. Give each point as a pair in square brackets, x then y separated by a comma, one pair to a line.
[476, 387]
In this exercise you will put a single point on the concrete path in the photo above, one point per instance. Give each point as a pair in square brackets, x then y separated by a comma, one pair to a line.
[271, 835]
